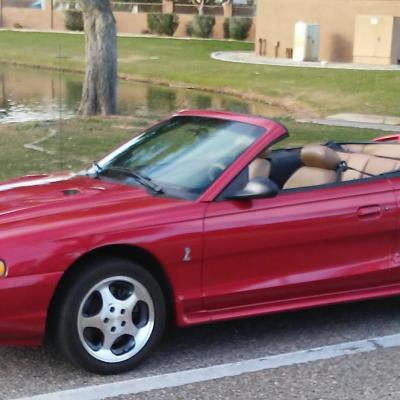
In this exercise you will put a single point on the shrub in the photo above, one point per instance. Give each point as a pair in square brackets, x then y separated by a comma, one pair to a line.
[73, 20]
[226, 28]
[154, 22]
[162, 24]
[201, 26]
[239, 28]
[169, 23]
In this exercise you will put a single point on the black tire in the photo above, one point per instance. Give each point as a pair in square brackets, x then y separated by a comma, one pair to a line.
[68, 329]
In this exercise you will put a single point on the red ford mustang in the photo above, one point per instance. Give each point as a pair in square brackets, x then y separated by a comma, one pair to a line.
[202, 218]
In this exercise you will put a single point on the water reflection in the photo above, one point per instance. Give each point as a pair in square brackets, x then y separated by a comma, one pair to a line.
[161, 99]
[235, 105]
[28, 94]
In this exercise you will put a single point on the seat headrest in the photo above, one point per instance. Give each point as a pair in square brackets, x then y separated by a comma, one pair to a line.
[318, 156]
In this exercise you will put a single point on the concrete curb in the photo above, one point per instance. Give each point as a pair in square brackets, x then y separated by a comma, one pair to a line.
[244, 57]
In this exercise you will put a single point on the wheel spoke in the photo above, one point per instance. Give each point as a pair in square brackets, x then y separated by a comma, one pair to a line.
[94, 321]
[131, 328]
[129, 303]
[109, 340]
[141, 295]
[106, 296]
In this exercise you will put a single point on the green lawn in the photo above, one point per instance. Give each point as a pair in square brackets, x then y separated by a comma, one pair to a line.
[303, 91]
[84, 140]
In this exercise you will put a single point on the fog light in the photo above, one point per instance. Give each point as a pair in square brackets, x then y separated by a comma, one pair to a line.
[3, 269]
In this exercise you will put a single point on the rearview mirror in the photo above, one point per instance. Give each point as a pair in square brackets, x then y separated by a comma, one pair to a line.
[257, 188]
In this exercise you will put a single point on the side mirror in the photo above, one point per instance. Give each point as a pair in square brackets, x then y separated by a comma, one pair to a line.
[257, 188]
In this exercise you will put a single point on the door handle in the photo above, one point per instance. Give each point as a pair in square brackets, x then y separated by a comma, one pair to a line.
[369, 212]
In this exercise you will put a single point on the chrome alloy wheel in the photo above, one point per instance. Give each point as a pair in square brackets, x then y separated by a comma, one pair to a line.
[116, 319]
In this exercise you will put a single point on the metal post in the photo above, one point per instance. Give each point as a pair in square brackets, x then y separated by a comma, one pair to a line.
[1, 13]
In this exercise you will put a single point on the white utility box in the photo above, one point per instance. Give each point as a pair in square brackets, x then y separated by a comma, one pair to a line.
[306, 42]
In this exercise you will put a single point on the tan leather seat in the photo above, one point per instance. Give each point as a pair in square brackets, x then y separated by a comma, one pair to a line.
[320, 165]
[378, 165]
[366, 165]
[357, 161]
[259, 168]
[391, 150]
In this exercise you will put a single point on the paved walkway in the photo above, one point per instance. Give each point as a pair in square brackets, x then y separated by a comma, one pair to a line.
[367, 121]
[246, 57]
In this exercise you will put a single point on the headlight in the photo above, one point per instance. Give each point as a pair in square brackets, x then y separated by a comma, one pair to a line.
[3, 269]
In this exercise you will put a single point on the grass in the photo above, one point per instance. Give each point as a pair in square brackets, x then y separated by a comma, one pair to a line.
[302, 90]
[80, 142]
[84, 140]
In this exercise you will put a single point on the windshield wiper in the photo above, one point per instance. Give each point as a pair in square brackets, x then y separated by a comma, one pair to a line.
[143, 180]
[98, 168]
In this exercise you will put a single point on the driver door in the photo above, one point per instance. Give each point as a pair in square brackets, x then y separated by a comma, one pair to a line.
[303, 244]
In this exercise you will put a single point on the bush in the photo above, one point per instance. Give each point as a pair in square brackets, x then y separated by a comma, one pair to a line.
[153, 22]
[226, 28]
[73, 20]
[239, 28]
[201, 26]
[162, 24]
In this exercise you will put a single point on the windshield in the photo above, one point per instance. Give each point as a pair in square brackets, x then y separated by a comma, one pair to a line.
[182, 156]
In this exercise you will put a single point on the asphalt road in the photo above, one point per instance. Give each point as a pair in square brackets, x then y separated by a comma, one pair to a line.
[374, 375]
[360, 377]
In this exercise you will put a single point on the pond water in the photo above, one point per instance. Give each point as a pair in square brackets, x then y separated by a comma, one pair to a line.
[28, 94]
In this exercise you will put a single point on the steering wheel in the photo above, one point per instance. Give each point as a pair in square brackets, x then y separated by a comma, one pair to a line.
[215, 170]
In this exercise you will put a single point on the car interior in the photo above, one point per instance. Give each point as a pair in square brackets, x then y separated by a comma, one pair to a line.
[314, 165]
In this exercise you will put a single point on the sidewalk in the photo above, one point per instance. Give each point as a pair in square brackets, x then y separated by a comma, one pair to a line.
[384, 123]
[246, 57]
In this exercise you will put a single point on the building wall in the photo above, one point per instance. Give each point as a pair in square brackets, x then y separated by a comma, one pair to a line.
[127, 22]
[25, 17]
[58, 21]
[276, 20]
[130, 23]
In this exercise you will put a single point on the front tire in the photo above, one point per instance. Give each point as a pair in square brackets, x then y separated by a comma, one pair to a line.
[111, 317]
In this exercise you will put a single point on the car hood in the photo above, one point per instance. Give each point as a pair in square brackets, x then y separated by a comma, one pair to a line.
[66, 197]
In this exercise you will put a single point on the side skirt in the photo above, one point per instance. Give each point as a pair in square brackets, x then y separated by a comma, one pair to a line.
[291, 305]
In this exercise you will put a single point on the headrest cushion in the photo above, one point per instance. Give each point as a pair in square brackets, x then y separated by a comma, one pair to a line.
[318, 156]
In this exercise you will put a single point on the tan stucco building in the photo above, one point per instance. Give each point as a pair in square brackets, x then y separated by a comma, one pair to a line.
[337, 18]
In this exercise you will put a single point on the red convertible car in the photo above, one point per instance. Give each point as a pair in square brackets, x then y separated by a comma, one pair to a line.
[203, 217]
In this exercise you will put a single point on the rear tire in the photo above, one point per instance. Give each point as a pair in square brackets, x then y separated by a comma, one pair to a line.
[111, 316]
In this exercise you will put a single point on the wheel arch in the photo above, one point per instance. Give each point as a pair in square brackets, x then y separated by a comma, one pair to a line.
[125, 251]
